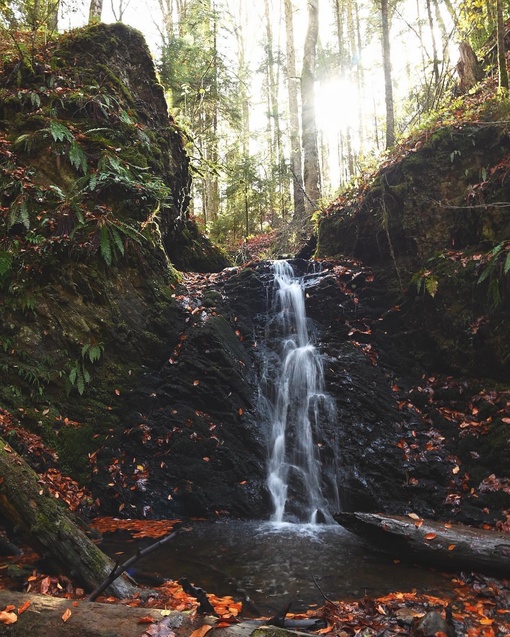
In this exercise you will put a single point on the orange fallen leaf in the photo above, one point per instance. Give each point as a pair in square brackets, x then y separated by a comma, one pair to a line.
[430, 536]
[8, 618]
[413, 516]
[200, 632]
[451, 547]
[24, 607]
[418, 523]
[196, 382]
[240, 411]
[66, 615]
[146, 620]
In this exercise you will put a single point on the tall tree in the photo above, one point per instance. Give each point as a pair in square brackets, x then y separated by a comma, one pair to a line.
[502, 68]
[95, 10]
[388, 80]
[311, 171]
[293, 97]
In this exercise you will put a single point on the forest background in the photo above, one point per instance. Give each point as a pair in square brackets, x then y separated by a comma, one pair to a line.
[286, 102]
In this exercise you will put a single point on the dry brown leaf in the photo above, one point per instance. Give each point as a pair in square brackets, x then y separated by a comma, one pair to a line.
[200, 632]
[451, 547]
[413, 516]
[146, 620]
[66, 615]
[8, 618]
[24, 607]
[430, 536]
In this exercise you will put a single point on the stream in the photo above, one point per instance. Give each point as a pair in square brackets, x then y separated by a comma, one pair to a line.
[275, 563]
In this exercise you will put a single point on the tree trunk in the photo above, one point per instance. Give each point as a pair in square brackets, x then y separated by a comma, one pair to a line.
[449, 546]
[502, 68]
[468, 68]
[46, 526]
[311, 172]
[388, 82]
[295, 146]
[95, 11]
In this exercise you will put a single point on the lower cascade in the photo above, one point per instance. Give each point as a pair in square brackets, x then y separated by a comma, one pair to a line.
[295, 402]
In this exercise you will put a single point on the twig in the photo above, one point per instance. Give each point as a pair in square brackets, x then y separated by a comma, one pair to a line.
[325, 597]
[118, 570]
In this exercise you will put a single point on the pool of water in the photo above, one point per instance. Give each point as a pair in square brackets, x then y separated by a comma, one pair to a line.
[276, 563]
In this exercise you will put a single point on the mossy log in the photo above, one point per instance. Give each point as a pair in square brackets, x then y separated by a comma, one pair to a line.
[44, 618]
[452, 547]
[45, 525]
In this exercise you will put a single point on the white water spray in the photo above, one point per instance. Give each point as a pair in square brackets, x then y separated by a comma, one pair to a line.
[295, 400]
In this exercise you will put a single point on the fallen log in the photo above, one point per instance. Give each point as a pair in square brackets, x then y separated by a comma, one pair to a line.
[48, 616]
[453, 547]
[45, 525]
[43, 616]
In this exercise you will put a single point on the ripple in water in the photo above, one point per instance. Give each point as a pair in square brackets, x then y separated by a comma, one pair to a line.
[274, 563]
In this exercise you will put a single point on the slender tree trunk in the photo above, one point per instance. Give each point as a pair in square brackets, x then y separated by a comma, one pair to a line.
[292, 87]
[435, 61]
[502, 68]
[167, 30]
[311, 171]
[95, 11]
[47, 527]
[388, 83]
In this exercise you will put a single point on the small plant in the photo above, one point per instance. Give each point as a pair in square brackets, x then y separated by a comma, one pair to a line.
[425, 282]
[496, 269]
[79, 376]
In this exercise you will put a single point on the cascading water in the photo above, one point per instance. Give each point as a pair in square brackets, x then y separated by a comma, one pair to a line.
[295, 401]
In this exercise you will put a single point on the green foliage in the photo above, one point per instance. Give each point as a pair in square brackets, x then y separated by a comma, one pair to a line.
[79, 376]
[425, 282]
[496, 266]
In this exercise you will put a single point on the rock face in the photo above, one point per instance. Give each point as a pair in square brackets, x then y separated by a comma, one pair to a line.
[426, 222]
[432, 225]
[94, 220]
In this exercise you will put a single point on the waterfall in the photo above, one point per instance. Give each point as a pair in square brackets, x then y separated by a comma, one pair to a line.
[294, 401]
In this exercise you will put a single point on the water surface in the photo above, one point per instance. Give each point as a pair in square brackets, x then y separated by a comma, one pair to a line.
[276, 563]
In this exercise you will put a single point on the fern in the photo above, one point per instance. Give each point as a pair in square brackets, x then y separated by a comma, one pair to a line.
[18, 213]
[5, 262]
[59, 132]
[77, 157]
[105, 245]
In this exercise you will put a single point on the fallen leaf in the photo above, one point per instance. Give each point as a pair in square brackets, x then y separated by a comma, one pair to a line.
[430, 536]
[200, 632]
[196, 382]
[24, 607]
[240, 411]
[451, 547]
[413, 516]
[146, 620]
[8, 618]
[66, 615]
